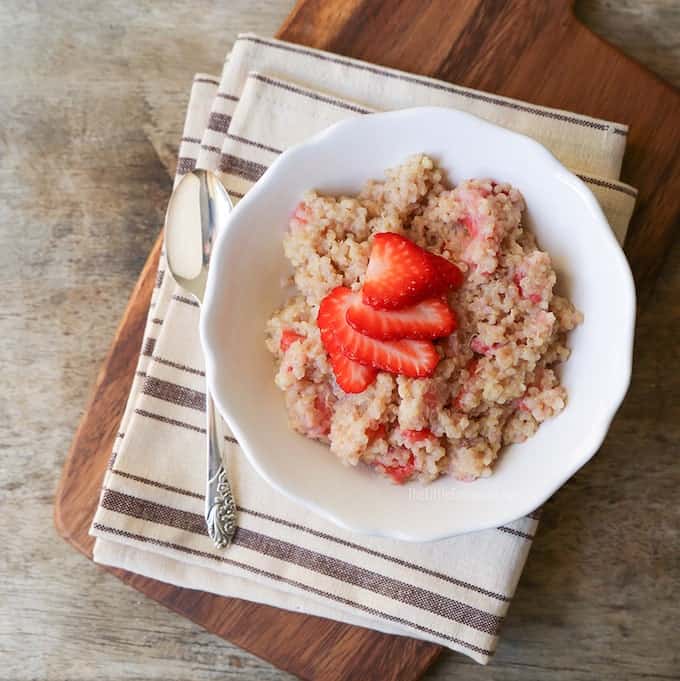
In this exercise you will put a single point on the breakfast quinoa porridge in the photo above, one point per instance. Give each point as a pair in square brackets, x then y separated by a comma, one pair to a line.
[425, 331]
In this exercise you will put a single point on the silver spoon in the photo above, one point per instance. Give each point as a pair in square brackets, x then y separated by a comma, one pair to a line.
[198, 208]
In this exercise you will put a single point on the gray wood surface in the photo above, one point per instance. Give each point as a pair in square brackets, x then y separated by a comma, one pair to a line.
[91, 104]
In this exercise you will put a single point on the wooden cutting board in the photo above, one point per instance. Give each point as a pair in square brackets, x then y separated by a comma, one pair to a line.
[526, 49]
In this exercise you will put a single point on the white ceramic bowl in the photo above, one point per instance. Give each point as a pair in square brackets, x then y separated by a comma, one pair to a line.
[244, 290]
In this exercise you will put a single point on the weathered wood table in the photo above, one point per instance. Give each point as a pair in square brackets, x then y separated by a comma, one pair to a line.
[91, 108]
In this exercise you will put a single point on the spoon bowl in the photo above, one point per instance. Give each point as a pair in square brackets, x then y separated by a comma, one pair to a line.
[199, 205]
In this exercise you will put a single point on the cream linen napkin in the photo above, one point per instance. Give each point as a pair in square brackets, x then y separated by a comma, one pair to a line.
[455, 592]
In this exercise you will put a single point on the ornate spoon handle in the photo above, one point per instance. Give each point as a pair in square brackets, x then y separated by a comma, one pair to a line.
[220, 509]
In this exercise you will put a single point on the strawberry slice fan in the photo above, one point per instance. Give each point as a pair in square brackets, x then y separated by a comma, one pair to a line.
[391, 323]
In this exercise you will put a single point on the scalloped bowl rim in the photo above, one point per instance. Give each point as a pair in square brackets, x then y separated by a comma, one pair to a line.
[210, 333]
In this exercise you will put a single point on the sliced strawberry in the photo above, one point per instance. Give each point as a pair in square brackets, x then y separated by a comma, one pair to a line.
[429, 318]
[351, 376]
[288, 337]
[327, 322]
[399, 273]
[418, 435]
[412, 358]
[451, 275]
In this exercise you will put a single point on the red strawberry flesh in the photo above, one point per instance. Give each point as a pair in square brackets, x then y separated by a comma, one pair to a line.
[429, 318]
[401, 473]
[376, 433]
[351, 376]
[288, 337]
[413, 358]
[400, 273]
[451, 275]
[418, 435]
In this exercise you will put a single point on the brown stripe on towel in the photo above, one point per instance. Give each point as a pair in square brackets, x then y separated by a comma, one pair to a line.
[169, 421]
[516, 533]
[177, 365]
[311, 94]
[241, 167]
[173, 393]
[377, 554]
[630, 191]
[160, 485]
[224, 95]
[219, 122]
[185, 165]
[403, 592]
[142, 509]
[148, 347]
[478, 96]
[212, 81]
[252, 143]
[291, 582]
[235, 194]
[397, 590]
[185, 300]
[328, 537]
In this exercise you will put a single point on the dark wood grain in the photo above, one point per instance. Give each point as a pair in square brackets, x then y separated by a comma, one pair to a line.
[530, 50]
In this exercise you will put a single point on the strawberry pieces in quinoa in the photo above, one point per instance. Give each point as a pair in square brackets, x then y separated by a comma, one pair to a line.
[288, 337]
[378, 432]
[400, 273]
[413, 358]
[414, 436]
[401, 473]
[300, 213]
[429, 318]
[478, 346]
[324, 413]
[517, 279]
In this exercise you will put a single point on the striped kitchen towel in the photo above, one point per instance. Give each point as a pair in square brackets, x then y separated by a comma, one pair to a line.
[150, 518]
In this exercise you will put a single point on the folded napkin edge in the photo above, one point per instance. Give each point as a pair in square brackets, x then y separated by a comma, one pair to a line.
[490, 98]
[322, 95]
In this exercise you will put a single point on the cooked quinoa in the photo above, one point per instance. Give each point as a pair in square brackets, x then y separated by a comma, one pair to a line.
[496, 380]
